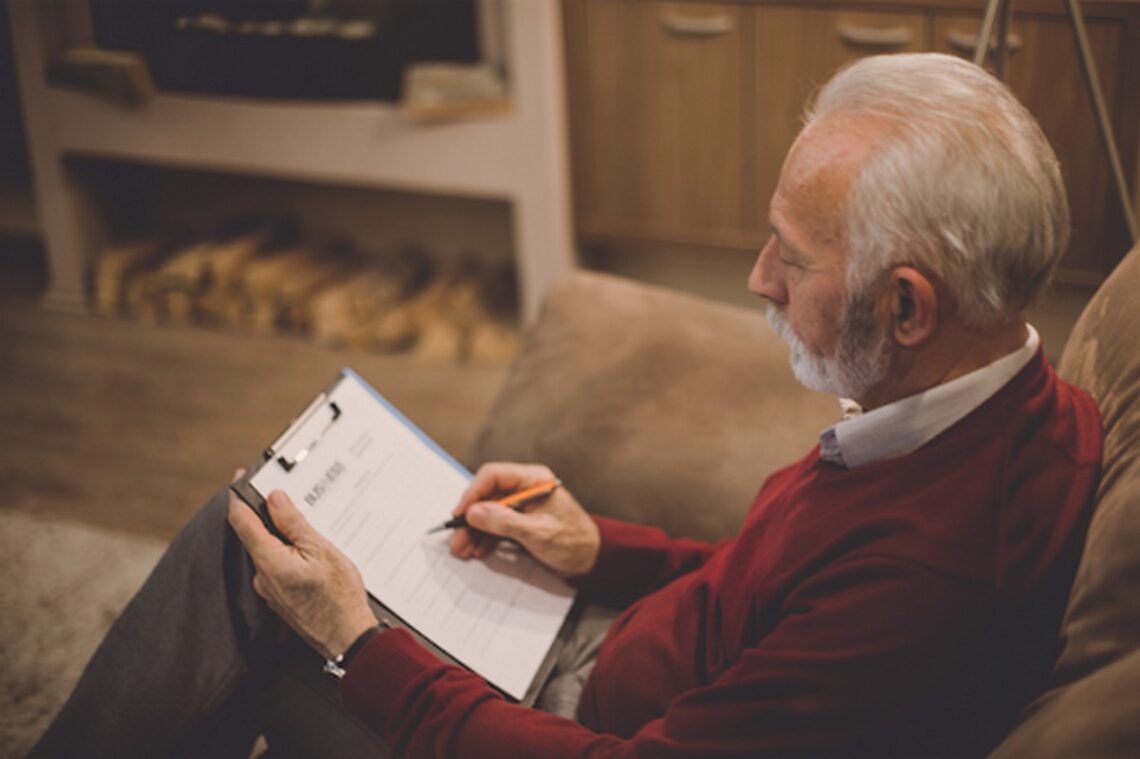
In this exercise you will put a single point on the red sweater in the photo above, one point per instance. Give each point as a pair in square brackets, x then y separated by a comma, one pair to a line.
[908, 607]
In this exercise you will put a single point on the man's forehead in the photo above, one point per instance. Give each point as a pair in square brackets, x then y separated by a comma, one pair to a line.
[817, 175]
[830, 152]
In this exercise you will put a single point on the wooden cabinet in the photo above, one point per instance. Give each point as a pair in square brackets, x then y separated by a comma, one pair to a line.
[681, 112]
[660, 120]
[1043, 68]
[797, 50]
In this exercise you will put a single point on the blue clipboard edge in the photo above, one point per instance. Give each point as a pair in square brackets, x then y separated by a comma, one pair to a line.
[347, 373]
[252, 498]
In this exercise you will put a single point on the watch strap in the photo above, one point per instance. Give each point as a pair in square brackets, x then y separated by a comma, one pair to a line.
[338, 666]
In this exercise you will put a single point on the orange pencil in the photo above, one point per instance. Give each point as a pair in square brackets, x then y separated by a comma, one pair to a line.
[514, 501]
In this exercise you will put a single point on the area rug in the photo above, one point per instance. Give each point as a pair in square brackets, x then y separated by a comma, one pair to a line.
[63, 583]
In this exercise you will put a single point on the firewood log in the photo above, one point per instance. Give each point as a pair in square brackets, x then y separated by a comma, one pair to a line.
[486, 338]
[478, 301]
[299, 290]
[484, 308]
[181, 279]
[114, 267]
[223, 306]
[395, 331]
[493, 341]
[341, 314]
[279, 285]
[459, 307]
[400, 328]
[262, 287]
[438, 340]
[221, 303]
[450, 320]
[229, 257]
[143, 298]
[347, 313]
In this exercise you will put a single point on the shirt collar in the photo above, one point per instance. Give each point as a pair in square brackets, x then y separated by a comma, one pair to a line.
[909, 423]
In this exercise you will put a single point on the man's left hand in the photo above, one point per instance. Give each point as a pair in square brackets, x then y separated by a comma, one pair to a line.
[314, 587]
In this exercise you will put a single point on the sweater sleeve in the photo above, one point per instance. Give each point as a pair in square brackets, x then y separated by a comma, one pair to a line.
[856, 645]
[636, 560]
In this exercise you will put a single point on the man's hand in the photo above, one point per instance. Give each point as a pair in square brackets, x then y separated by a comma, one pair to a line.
[558, 531]
[314, 587]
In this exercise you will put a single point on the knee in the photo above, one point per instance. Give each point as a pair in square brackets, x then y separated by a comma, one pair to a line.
[208, 530]
[215, 513]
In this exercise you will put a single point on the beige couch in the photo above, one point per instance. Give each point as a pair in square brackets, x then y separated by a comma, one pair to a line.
[665, 409]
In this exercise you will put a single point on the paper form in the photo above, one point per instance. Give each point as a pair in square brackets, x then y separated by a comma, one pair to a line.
[374, 485]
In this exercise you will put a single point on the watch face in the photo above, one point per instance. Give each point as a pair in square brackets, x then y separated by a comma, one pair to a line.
[332, 667]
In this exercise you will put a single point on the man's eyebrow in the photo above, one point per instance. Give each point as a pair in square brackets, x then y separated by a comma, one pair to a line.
[776, 231]
[784, 243]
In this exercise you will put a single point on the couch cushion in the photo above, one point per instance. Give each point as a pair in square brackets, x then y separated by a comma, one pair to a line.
[1093, 707]
[653, 406]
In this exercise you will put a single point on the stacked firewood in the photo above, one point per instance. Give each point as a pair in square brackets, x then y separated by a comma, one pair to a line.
[256, 282]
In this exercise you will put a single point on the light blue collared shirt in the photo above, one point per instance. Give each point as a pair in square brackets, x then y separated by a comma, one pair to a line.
[910, 423]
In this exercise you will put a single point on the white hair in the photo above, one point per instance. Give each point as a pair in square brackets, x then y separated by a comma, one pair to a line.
[963, 185]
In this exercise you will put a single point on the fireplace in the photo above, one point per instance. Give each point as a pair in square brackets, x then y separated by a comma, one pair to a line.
[289, 49]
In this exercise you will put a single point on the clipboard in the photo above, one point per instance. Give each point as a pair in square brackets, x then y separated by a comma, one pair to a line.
[337, 426]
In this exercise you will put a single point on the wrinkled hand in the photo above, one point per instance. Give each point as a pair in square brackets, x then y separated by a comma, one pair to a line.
[557, 531]
[314, 587]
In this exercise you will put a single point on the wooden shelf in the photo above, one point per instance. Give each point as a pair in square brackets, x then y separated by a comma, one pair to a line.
[359, 143]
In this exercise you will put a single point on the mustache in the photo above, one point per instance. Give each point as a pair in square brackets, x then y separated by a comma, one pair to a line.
[778, 320]
[775, 317]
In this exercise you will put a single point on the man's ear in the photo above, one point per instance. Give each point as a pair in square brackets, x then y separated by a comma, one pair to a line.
[914, 306]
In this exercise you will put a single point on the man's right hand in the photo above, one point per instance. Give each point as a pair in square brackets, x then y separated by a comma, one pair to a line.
[557, 531]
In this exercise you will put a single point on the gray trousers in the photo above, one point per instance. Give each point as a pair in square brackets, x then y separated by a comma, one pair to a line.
[198, 665]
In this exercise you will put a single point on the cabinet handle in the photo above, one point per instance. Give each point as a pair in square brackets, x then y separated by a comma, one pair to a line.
[877, 37]
[967, 42]
[697, 26]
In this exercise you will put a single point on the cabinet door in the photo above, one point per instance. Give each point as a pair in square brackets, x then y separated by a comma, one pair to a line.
[659, 113]
[1043, 68]
[797, 51]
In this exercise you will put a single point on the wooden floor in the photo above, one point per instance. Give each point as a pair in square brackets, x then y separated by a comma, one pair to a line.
[134, 426]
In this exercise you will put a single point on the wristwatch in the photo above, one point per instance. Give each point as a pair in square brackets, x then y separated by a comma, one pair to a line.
[338, 666]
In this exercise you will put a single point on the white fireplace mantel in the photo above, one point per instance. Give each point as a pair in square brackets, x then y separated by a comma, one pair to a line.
[520, 157]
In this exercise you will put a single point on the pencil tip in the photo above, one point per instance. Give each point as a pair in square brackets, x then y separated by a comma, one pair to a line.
[439, 528]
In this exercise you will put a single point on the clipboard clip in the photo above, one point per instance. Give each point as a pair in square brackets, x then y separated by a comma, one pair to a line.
[288, 464]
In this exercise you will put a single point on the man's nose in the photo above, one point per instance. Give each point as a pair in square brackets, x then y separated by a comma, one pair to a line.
[766, 279]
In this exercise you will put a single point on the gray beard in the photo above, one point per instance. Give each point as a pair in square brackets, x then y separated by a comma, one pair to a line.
[862, 356]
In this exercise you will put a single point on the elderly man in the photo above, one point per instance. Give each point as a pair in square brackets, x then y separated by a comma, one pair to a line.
[896, 592]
